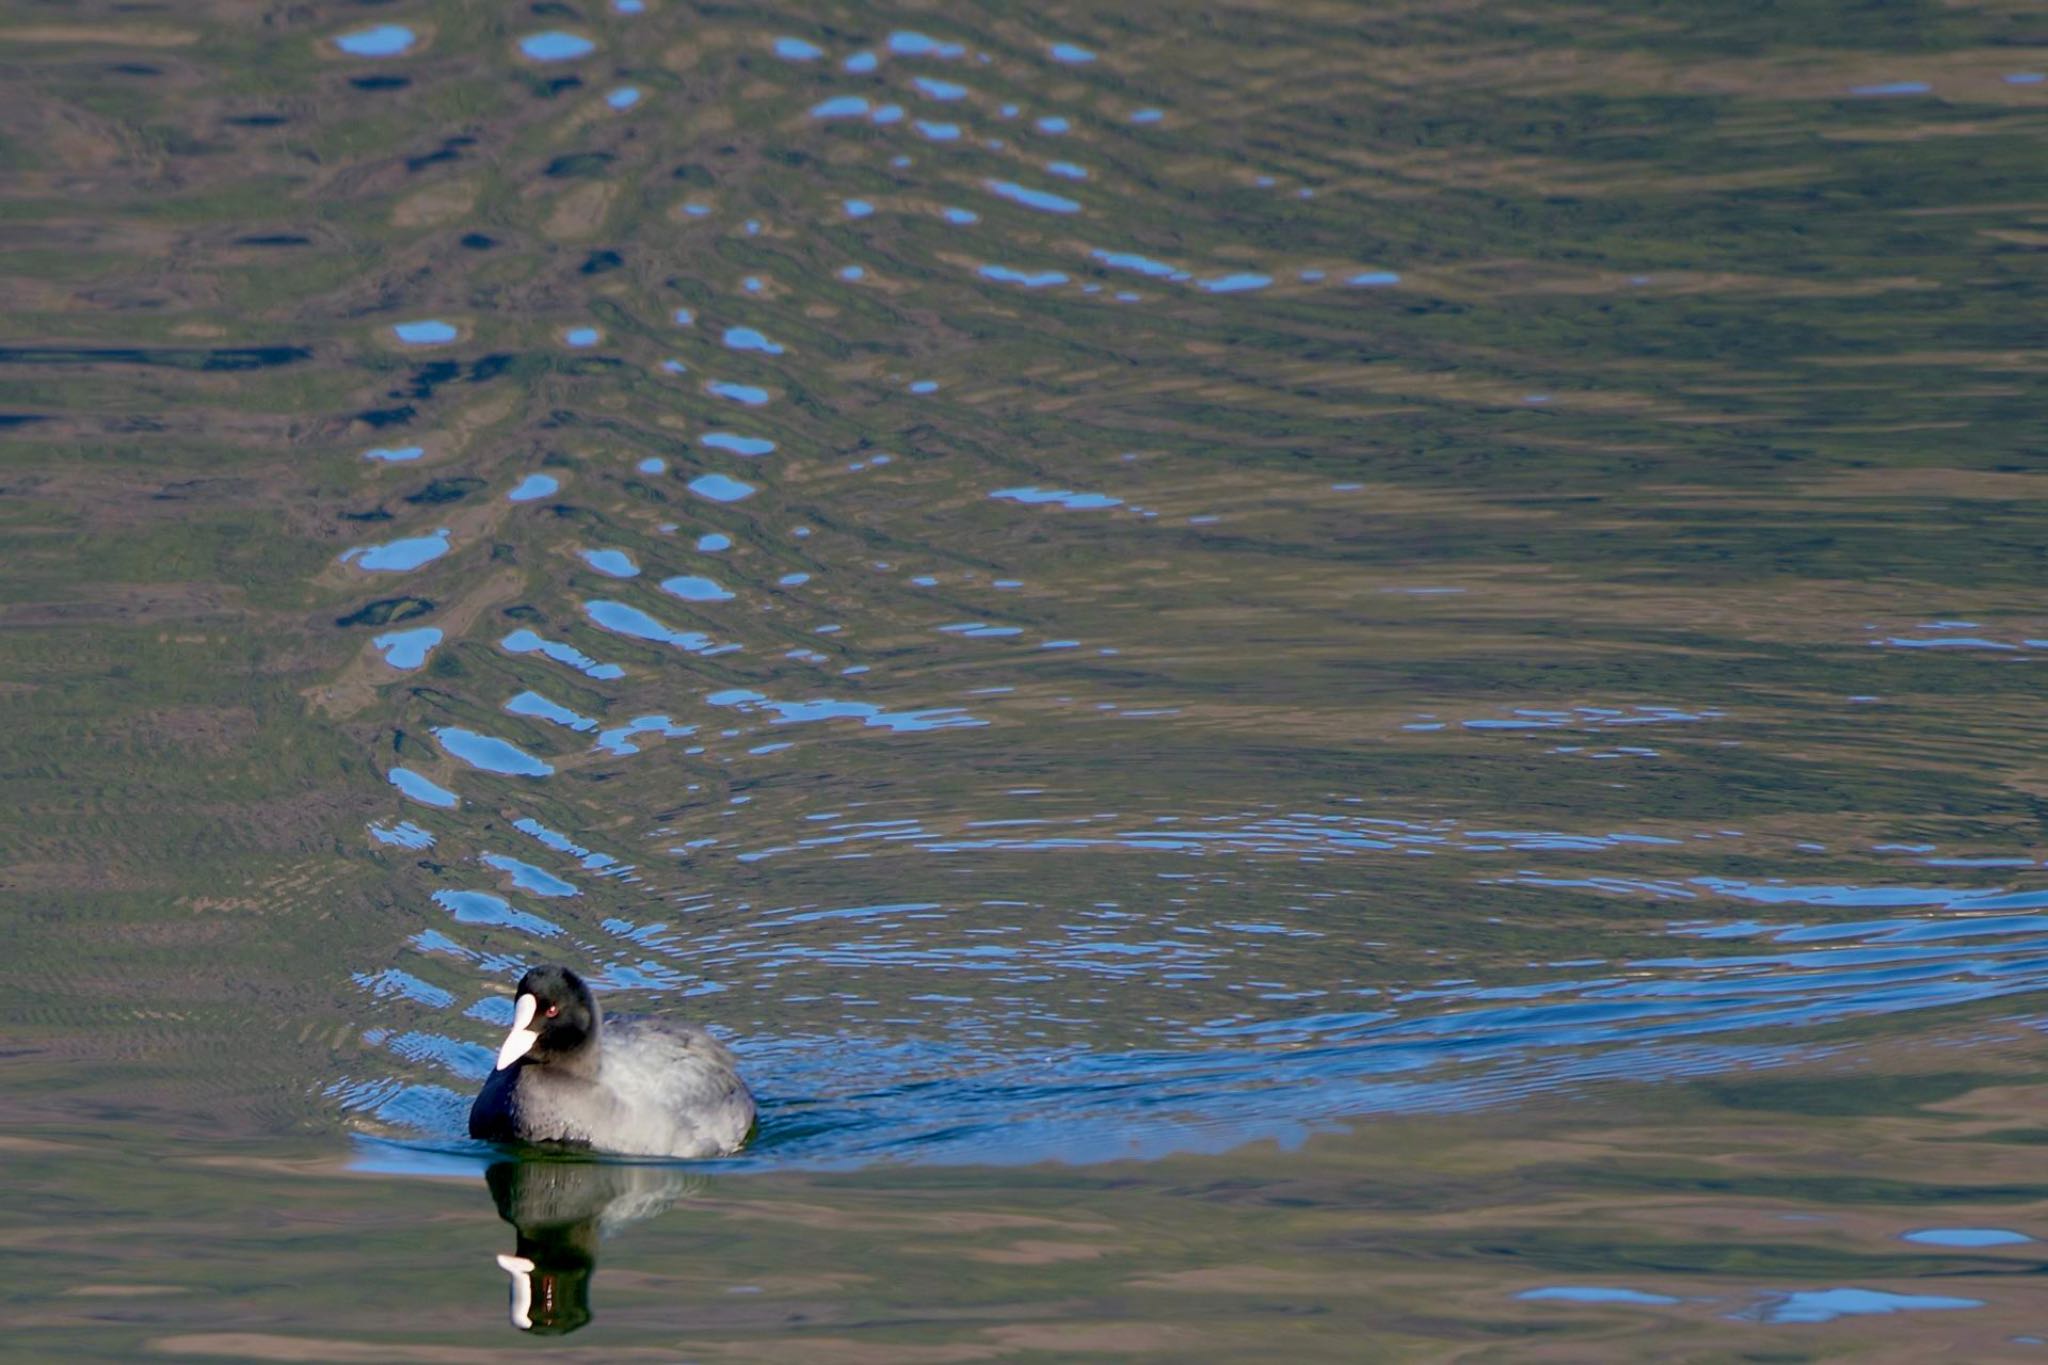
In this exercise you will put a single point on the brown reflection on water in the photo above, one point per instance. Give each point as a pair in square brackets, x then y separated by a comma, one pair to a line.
[1552, 546]
[1404, 1238]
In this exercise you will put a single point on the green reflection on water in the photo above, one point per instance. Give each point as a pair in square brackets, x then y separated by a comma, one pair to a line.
[1649, 503]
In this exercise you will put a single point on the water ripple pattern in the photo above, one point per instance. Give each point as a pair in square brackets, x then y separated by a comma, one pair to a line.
[1086, 586]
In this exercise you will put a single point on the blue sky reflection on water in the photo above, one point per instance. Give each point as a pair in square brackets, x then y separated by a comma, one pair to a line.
[408, 649]
[425, 332]
[491, 754]
[379, 40]
[555, 45]
[722, 488]
[1087, 590]
[399, 556]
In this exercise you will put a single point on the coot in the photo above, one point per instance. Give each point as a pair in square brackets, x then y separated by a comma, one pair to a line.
[636, 1087]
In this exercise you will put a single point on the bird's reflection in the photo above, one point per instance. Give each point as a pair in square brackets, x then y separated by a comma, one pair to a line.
[560, 1209]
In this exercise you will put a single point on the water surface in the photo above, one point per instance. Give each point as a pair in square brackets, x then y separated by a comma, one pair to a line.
[1330, 678]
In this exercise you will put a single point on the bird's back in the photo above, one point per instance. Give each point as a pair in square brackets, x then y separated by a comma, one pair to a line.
[678, 1089]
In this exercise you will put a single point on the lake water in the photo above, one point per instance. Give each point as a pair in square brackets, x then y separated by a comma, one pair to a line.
[1306, 682]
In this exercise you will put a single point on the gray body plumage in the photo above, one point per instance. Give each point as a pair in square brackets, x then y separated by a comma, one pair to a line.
[635, 1087]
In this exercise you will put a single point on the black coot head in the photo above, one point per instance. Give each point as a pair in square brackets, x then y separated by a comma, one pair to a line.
[560, 1020]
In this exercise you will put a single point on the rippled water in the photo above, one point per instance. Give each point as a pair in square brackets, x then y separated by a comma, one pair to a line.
[1381, 663]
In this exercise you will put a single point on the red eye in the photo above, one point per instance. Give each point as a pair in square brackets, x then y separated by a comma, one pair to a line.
[554, 1010]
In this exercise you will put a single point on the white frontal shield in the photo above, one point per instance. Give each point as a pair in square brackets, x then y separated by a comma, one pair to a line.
[523, 1036]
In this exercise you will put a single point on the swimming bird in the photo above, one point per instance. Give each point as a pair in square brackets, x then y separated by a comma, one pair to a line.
[634, 1087]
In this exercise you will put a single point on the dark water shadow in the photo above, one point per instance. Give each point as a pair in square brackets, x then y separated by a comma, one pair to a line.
[560, 1210]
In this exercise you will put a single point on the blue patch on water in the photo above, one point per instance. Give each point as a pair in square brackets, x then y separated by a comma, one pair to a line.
[425, 332]
[581, 337]
[540, 708]
[616, 563]
[1042, 200]
[391, 982]
[1881, 897]
[481, 907]
[394, 454]
[490, 753]
[629, 6]
[1892, 88]
[909, 43]
[960, 217]
[1067, 170]
[858, 208]
[398, 556]
[825, 708]
[1946, 642]
[683, 317]
[840, 106]
[933, 88]
[534, 487]
[408, 648]
[527, 643]
[1054, 124]
[619, 740]
[384, 40]
[792, 580]
[422, 790]
[627, 620]
[1072, 54]
[797, 50]
[747, 339]
[738, 445]
[653, 464]
[924, 386]
[722, 488]
[1966, 1237]
[625, 97]
[888, 113]
[753, 395]
[560, 843]
[937, 132]
[492, 1009]
[1144, 265]
[711, 542]
[1592, 1294]
[556, 46]
[2026, 78]
[404, 834]
[468, 1061]
[1825, 1305]
[1030, 279]
[860, 63]
[1374, 279]
[852, 272]
[1234, 284]
[1147, 115]
[527, 877]
[1064, 497]
[693, 588]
